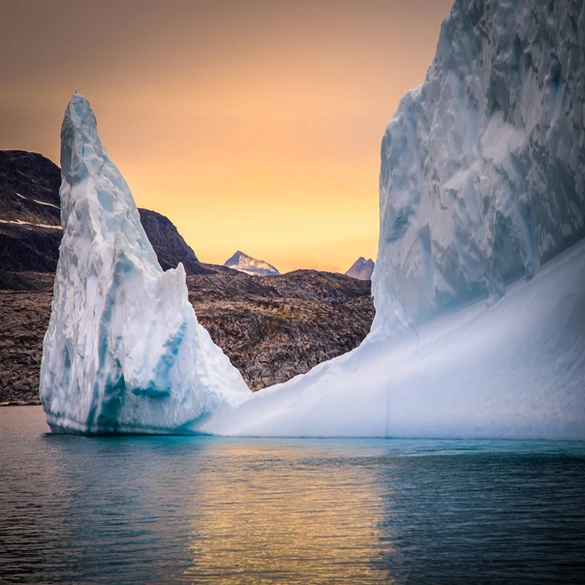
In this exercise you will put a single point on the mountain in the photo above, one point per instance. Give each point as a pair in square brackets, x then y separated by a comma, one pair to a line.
[30, 219]
[272, 329]
[30, 222]
[244, 263]
[169, 245]
[361, 269]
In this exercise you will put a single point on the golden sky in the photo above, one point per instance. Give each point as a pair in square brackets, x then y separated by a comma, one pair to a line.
[252, 124]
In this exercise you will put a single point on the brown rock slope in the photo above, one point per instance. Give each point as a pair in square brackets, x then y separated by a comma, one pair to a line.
[272, 328]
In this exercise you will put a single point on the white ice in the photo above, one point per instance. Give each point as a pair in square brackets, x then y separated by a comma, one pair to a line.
[483, 166]
[514, 369]
[124, 351]
[479, 283]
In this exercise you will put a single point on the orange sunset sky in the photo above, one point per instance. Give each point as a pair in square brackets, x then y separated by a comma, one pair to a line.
[253, 125]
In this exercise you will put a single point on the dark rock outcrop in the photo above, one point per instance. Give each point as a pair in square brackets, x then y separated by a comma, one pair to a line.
[30, 219]
[168, 243]
[29, 188]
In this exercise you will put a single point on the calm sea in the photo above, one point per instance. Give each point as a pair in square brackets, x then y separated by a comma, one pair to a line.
[213, 510]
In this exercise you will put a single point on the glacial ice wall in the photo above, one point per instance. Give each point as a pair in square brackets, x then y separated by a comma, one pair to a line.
[481, 184]
[483, 166]
[124, 351]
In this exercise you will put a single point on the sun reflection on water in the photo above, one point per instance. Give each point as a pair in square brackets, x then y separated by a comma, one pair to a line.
[296, 519]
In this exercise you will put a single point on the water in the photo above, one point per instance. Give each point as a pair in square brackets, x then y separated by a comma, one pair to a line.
[211, 510]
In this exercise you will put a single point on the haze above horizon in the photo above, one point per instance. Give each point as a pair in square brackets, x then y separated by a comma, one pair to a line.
[253, 126]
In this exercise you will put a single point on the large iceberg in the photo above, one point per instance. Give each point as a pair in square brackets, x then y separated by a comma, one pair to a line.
[514, 369]
[124, 351]
[479, 283]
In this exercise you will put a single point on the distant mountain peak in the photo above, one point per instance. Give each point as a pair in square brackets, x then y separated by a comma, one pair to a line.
[361, 269]
[244, 263]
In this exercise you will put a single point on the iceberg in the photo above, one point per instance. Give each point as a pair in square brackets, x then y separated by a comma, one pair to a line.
[123, 352]
[482, 174]
[479, 283]
[514, 369]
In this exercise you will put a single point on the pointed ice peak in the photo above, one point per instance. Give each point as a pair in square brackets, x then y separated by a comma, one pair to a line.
[244, 263]
[105, 195]
[124, 351]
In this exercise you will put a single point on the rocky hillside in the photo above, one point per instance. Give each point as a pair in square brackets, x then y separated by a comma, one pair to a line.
[271, 327]
[30, 223]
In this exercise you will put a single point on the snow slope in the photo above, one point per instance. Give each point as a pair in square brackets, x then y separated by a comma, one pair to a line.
[124, 351]
[515, 369]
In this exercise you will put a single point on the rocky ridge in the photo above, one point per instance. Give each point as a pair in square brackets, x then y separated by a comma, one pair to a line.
[362, 269]
[271, 327]
[30, 219]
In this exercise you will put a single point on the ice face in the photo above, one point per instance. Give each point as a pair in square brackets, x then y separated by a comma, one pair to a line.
[514, 369]
[481, 183]
[124, 351]
[483, 166]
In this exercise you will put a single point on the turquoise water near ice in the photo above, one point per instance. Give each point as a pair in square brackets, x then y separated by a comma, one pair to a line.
[215, 510]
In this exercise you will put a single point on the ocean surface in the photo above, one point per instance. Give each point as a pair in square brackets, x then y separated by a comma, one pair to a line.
[215, 510]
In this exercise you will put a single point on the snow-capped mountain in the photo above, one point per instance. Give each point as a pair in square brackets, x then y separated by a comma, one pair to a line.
[244, 263]
[361, 269]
